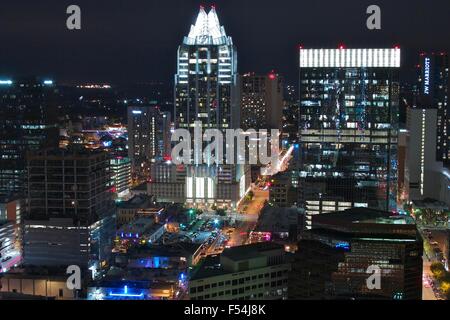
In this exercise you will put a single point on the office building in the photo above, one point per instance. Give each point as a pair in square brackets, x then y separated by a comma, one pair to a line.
[27, 123]
[428, 176]
[70, 211]
[282, 192]
[337, 257]
[432, 93]
[349, 127]
[148, 137]
[261, 101]
[252, 272]
[121, 175]
[206, 90]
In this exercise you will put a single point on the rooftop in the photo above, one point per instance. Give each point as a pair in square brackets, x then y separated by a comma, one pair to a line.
[207, 30]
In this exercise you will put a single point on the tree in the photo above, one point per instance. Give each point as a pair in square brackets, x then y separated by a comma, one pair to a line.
[438, 270]
[221, 212]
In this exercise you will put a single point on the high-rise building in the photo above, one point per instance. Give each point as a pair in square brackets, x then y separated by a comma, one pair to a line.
[27, 123]
[432, 93]
[206, 92]
[337, 258]
[261, 101]
[121, 175]
[428, 176]
[148, 136]
[206, 79]
[70, 214]
[348, 127]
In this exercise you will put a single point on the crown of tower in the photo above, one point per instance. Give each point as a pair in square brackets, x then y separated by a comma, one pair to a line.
[207, 29]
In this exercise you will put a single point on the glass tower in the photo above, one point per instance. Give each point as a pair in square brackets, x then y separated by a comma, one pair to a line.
[207, 92]
[206, 80]
[348, 126]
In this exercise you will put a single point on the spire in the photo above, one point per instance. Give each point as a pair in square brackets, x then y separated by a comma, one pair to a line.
[207, 26]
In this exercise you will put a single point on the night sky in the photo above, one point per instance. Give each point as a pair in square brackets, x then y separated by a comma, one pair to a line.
[127, 41]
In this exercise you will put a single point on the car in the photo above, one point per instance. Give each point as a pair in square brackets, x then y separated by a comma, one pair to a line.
[6, 259]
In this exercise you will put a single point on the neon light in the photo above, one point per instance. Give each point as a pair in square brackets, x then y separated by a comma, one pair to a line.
[427, 76]
[127, 295]
[137, 112]
[8, 82]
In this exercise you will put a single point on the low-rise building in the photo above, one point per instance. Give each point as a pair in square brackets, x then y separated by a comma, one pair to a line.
[139, 206]
[142, 230]
[281, 192]
[252, 272]
[50, 284]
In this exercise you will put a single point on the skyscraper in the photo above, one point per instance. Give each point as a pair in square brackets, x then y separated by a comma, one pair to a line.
[261, 101]
[148, 136]
[27, 123]
[206, 92]
[69, 218]
[432, 93]
[206, 79]
[348, 128]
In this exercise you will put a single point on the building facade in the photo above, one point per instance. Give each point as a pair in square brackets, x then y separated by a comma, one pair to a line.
[432, 93]
[252, 272]
[261, 101]
[70, 212]
[148, 136]
[27, 123]
[336, 258]
[207, 97]
[348, 126]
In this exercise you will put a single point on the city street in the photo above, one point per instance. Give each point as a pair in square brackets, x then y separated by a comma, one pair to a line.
[427, 290]
[251, 212]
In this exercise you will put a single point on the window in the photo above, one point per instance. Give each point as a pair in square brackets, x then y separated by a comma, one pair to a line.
[61, 293]
[234, 292]
[221, 284]
[214, 285]
[194, 290]
[234, 282]
[207, 286]
[241, 280]
[227, 283]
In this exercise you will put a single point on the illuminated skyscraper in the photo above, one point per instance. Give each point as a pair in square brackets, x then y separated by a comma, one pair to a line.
[27, 123]
[206, 91]
[432, 93]
[148, 137]
[348, 127]
[206, 80]
[262, 101]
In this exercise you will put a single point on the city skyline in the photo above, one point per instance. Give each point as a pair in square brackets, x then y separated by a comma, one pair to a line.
[113, 184]
[284, 27]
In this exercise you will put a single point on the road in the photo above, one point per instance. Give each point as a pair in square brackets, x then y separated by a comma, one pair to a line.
[427, 291]
[254, 207]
